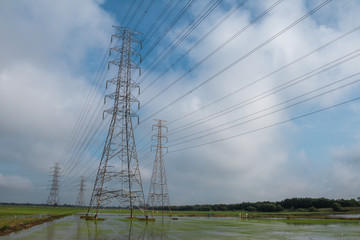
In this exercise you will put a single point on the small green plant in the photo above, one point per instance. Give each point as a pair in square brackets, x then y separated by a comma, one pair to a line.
[312, 209]
[3, 228]
[336, 207]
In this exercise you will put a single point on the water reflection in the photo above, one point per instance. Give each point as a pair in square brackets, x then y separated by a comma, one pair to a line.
[50, 229]
[92, 229]
[115, 227]
[78, 225]
[119, 227]
[159, 231]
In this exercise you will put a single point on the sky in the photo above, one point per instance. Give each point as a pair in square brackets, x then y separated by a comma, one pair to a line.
[261, 98]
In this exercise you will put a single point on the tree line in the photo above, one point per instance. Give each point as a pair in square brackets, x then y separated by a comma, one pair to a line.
[310, 204]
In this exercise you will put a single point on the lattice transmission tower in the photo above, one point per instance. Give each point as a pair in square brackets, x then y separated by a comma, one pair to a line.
[158, 191]
[80, 200]
[118, 176]
[53, 198]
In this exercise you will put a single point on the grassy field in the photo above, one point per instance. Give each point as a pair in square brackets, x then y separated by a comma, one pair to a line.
[15, 218]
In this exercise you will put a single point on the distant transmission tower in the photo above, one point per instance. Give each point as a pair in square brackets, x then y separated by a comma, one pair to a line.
[158, 192]
[53, 198]
[118, 176]
[80, 200]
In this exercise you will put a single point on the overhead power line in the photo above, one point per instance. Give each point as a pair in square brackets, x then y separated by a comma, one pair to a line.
[171, 25]
[272, 91]
[218, 24]
[240, 59]
[269, 113]
[266, 76]
[182, 36]
[268, 126]
[214, 51]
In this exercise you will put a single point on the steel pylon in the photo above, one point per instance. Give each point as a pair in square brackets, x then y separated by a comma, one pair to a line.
[80, 200]
[158, 191]
[118, 176]
[53, 198]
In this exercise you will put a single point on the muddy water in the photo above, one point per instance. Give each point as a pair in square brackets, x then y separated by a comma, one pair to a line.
[118, 227]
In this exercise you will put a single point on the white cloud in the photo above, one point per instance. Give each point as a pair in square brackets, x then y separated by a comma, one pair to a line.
[14, 182]
[47, 69]
[344, 169]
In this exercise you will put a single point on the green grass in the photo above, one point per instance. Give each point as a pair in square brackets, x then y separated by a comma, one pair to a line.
[319, 221]
[15, 218]
[7, 210]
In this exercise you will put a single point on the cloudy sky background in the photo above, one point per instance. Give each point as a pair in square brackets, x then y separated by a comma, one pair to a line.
[53, 68]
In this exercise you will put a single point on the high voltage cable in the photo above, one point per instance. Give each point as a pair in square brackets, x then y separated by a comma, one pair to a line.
[128, 11]
[257, 112]
[151, 2]
[268, 126]
[145, 136]
[157, 20]
[147, 37]
[197, 43]
[270, 113]
[80, 154]
[84, 110]
[266, 76]
[84, 138]
[240, 59]
[67, 163]
[89, 166]
[214, 51]
[80, 120]
[135, 12]
[144, 147]
[81, 143]
[80, 149]
[267, 93]
[171, 25]
[210, 7]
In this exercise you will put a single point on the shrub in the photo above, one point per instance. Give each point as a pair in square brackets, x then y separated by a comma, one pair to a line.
[336, 207]
[4, 227]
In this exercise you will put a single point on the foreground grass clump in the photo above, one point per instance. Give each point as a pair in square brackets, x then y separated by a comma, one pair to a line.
[16, 224]
[15, 218]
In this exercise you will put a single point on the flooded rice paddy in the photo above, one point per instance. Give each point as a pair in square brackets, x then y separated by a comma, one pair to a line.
[119, 227]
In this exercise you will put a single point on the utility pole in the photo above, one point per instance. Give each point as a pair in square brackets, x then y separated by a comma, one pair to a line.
[80, 200]
[118, 176]
[158, 191]
[53, 198]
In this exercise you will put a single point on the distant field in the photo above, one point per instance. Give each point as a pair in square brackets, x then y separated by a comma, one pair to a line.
[13, 210]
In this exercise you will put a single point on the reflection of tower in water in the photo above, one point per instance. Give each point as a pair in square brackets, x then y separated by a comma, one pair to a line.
[158, 229]
[50, 229]
[137, 230]
[92, 229]
[78, 226]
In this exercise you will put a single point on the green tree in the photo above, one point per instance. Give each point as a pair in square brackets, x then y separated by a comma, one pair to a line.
[336, 207]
